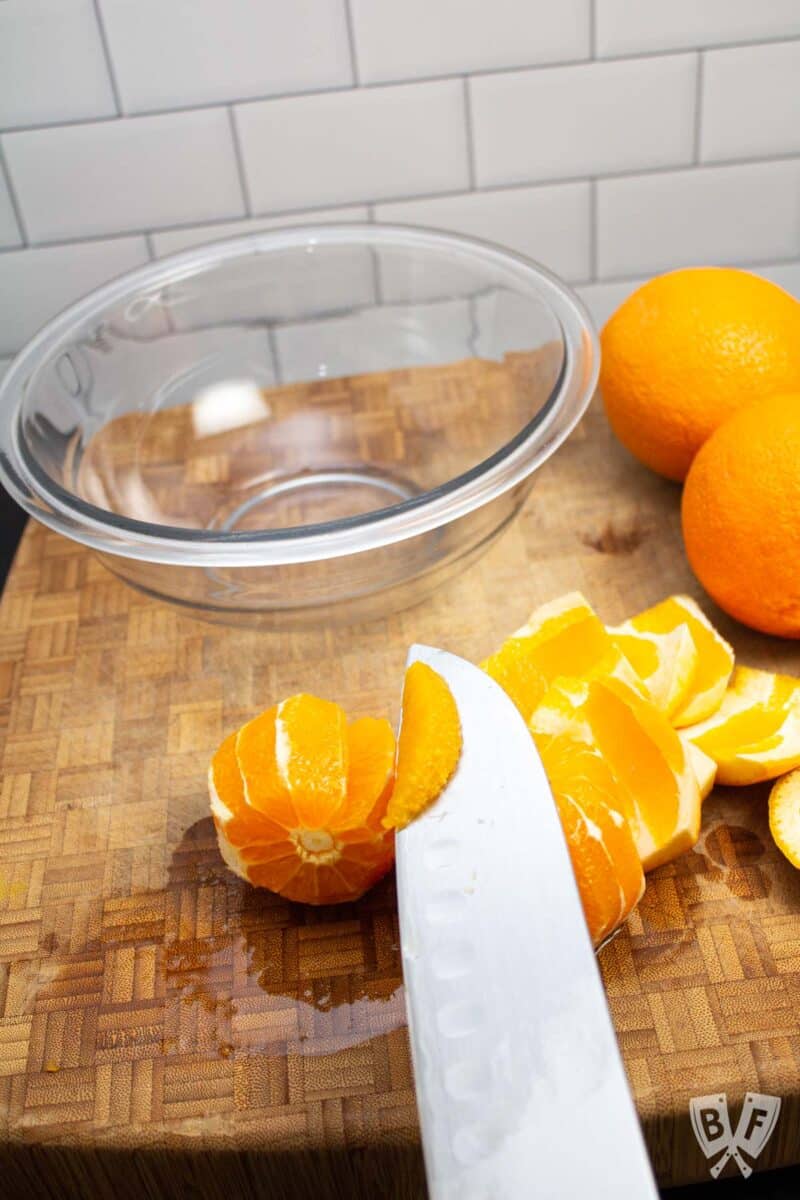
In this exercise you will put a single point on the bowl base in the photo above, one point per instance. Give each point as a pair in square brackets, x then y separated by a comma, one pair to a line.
[283, 500]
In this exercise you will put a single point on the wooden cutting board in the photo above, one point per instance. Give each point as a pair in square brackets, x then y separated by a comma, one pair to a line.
[157, 1014]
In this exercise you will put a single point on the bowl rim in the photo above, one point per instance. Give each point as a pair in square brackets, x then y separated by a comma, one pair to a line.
[508, 466]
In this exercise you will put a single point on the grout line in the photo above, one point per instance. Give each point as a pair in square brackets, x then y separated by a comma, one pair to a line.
[16, 207]
[240, 167]
[101, 29]
[593, 231]
[291, 214]
[698, 107]
[151, 250]
[646, 273]
[272, 342]
[472, 173]
[593, 29]
[351, 42]
[530, 68]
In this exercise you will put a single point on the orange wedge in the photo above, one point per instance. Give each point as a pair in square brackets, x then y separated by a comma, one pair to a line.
[755, 733]
[714, 662]
[298, 797]
[666, 663]
[429, 745]
[564, 637]
[603, 853]
[784, 816]
[657, 785]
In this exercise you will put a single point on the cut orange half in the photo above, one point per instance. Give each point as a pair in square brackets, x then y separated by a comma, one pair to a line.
[784, 816]
[755, 733]
[714, 662]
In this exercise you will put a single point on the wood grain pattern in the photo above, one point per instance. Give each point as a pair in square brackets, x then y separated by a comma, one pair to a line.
[149, 1000]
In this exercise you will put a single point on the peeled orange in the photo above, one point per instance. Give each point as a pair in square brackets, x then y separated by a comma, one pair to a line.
[665, 662]
[688, 349]
[741, 516]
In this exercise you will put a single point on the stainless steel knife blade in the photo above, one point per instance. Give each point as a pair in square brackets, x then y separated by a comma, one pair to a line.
[520, 1086]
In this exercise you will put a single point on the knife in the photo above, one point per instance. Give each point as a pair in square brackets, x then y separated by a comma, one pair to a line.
[520, 1087]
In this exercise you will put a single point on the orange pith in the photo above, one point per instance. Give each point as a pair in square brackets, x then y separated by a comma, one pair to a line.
[429, 745]
[603, 853]
[298, 797]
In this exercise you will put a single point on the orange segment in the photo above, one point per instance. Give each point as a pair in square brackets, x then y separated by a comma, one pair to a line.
[755, 733]
[256, 756]
[370, 776]
[603, 853]
[714, 656]
[658, 789]
[311, 756]
[564, 637]
[429, 745]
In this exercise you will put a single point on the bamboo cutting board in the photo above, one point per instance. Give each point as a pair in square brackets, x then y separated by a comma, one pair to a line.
[156, 1014]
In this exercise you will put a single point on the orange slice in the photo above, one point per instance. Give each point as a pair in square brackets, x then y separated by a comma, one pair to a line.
[429, 745]
[755, 733]
[603, 853]
[564, 637]
[298, 797]
[657, 784]
[714, 656]
[784, 816]
[665, 662]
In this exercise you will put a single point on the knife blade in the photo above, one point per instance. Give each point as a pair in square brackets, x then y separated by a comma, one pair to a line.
[520, 1087]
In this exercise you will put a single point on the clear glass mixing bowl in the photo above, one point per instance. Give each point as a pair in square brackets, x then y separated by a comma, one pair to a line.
[302, 425]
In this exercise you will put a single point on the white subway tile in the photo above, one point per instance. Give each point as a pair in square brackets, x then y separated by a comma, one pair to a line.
[602, 299]
[52, 66]
[550, 224]
[206, 52]
[626, 26]
[374, 339]
[354, 146]
[712, 215]
[559, 122]
[125, 175]
[751, 101]
[35, 284]
[416, 38]
[9, 230]
[786, 275]
[170, 241]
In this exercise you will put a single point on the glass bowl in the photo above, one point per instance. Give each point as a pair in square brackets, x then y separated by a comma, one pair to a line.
[298, 426]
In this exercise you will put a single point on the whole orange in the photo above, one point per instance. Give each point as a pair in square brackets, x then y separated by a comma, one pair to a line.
[741, 516]
[688, 349]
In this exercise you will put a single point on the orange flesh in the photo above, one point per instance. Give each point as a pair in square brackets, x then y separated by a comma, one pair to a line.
[311, 756]
[429, 745]
[713, 660]
[601, 846]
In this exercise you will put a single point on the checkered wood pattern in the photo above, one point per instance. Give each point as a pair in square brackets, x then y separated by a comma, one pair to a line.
[148, 998]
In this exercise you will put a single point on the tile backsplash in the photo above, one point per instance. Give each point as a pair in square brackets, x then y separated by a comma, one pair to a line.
[609, 139]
